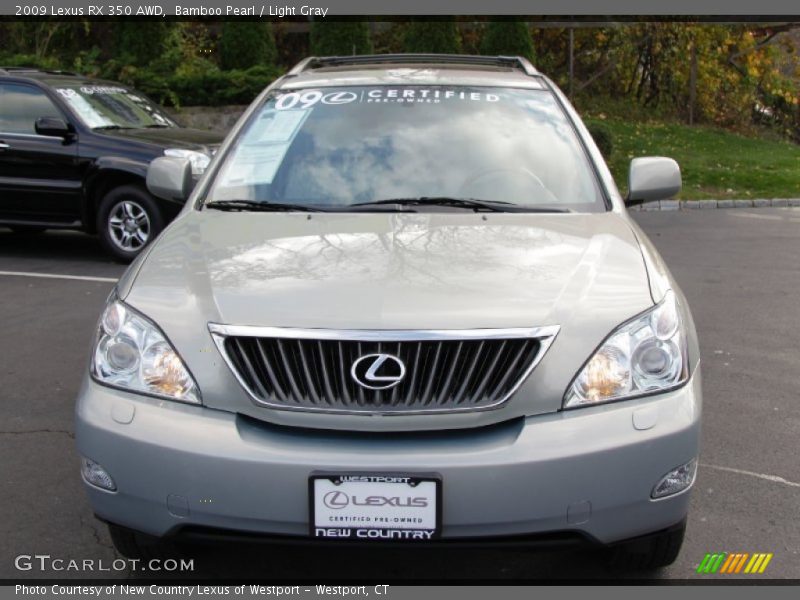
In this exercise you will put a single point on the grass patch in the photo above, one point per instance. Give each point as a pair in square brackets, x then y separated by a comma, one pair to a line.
[715, 164]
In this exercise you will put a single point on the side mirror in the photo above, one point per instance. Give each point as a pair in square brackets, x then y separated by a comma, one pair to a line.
[52, 126]
[652, 178]
[170, 178]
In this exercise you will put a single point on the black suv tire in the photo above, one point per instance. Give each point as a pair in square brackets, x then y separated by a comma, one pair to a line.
[128, 219]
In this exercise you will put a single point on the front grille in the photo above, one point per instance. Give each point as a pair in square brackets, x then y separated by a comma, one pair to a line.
[440, 374]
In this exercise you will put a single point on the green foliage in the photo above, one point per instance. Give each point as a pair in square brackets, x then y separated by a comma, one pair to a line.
[29, 60]
[44, 39]
[512, 38]
[343, 38]
[441, 37]
[87, 62]
[602, 136]
[210, 88]
[224, 87]
[244, 44]
[196, 66]
[390, 39]
[745, 76]
[715, 163]
[141, 42]
[737, 68]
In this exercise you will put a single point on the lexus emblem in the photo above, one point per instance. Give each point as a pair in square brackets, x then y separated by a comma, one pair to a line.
[335, 500]
[378, 371]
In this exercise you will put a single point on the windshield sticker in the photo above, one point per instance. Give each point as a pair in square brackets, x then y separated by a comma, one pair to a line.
[67, 92]
[262, 150]
[85, 111]
[389, 95]
[157, 117]
[254, 164]
[277, 126]
[102, 89]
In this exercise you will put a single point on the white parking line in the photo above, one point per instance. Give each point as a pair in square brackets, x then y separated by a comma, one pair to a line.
[58, 276]
[774, 478]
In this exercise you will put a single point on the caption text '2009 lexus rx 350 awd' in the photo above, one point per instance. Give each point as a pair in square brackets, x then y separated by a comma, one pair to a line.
[405, 303]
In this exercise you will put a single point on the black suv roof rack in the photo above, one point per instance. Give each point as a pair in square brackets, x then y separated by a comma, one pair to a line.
[10, 70]
[513, 62]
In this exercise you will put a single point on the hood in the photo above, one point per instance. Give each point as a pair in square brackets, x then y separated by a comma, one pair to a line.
[170, 137]
[582, 272]
[395, 271]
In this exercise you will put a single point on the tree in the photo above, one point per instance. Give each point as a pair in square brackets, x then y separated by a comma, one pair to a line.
[433, 36]
[331, 38]
[44, 42]
[141, 42]
[244, 44]
[511, 38]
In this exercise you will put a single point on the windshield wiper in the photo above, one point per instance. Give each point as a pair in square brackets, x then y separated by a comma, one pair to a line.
[470, 203]
[157, 126]
[253, 205]
[109, 127]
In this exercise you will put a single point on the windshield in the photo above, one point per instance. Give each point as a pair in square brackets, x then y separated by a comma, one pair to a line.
[114, 107]
[337, 147]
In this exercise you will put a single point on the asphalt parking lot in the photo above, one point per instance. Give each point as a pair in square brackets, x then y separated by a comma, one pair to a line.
[739, 269]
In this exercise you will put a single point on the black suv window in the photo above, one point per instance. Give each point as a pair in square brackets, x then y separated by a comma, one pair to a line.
[21, 105]
[102, 106]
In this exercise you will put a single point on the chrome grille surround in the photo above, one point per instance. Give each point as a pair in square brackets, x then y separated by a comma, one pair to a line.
[322, 393]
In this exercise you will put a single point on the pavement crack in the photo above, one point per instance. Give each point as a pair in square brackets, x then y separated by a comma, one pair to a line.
[92, 527]
[765, 476]
[31, 431]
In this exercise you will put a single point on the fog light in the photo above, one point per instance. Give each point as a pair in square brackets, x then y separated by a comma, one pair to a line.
[676, 480]
[96, 475]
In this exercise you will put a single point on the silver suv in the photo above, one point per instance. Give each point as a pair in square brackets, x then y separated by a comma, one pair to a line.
[406, 304]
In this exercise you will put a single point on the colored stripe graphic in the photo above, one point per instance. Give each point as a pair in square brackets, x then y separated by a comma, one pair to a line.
[765, 563]
[704, 564]
[734, 562]
[740, 563]
[711, 562]
[758, 563]
[729, 563]
[718, 562]
[754, 563]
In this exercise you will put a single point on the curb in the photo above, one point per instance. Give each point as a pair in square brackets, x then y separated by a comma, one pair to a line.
[707, 204]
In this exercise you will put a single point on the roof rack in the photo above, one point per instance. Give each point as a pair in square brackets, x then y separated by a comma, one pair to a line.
[316, 62]
[9, 70]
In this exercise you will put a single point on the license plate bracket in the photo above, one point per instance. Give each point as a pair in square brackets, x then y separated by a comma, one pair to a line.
[358, 506]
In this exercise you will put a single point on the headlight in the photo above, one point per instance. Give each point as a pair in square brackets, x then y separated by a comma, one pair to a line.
[644, 355]
[131, 353]
[198, 160]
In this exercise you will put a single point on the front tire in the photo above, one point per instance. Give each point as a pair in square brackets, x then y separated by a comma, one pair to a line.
[127, 220]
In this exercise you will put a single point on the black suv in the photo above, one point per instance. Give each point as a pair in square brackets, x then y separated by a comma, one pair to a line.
[74, 154]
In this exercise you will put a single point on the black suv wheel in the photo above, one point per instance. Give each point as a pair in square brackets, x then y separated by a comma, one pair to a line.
[127, 220]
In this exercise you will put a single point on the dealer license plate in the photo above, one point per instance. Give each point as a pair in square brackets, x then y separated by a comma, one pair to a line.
[379, 507]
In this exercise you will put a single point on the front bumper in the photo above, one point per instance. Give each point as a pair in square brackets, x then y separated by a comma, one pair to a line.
[588, 471]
